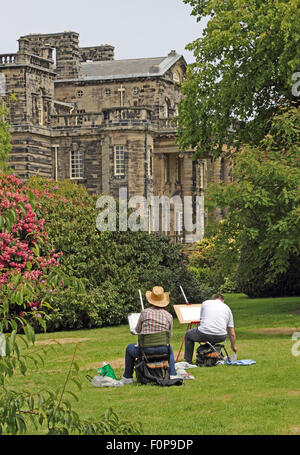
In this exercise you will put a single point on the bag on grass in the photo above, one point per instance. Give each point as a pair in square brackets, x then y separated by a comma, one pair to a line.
[208, 356]
[107, 371]
[103, 381]
[159, 375]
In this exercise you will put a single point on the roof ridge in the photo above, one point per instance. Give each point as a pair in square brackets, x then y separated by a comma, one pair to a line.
[126, 59]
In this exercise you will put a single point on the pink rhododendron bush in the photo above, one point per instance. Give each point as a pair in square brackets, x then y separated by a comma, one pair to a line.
[29, 269]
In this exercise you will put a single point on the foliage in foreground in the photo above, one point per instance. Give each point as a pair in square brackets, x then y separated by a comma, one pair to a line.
[29, 273]
[47, 410]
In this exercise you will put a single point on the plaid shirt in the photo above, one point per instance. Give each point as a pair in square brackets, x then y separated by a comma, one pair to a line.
[153, 320]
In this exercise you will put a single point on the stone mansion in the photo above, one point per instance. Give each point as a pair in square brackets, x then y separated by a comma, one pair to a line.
[82, 115]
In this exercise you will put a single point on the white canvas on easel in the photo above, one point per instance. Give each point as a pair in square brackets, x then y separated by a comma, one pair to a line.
[134, 317]
[132, 321]
[188, 313]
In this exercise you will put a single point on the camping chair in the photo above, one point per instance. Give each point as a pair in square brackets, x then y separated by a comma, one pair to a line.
[149, 365]
[208, 355]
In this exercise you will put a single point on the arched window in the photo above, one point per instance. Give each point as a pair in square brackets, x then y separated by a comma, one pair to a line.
[176, 76]
[166, 108]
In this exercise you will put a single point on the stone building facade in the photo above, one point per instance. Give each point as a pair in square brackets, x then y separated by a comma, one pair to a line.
[105, 123]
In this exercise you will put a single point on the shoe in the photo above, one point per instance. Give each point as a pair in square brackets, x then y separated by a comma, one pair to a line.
[126, 380]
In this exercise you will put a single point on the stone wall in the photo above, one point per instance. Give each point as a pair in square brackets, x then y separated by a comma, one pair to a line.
[96, 54]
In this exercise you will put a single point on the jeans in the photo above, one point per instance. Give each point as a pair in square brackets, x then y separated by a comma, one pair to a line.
[194, 335]
[133, 351]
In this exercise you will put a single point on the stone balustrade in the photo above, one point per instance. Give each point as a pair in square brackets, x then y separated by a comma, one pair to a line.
[127, 114]
[27, 59]
[168, 123]
[8, 59]
[76, 120]
[111, 116]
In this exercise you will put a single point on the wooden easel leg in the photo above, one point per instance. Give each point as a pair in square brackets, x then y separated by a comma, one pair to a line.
[188, 327]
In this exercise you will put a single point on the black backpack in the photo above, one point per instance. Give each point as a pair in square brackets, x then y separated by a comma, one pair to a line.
[207, 355]
[156, 373]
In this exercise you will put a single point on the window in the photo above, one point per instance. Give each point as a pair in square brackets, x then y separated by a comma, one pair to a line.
[41, 108]
[76, 164]
[107, 91]
[176, 77]
[119, 160]
[79, 93]
[79, 119]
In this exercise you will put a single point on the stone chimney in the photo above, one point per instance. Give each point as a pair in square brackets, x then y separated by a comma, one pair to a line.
[97, 54]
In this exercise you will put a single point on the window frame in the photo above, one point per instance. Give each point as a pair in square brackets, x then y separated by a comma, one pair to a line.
[118, 149]
[176, 76]
[79, 175]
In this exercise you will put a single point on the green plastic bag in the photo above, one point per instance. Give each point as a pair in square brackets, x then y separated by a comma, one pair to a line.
[107, 370]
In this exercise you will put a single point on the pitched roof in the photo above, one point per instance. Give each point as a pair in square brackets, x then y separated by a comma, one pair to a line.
[129, 68]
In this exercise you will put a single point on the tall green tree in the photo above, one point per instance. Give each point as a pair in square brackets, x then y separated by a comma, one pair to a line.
[245, 62]
[260, 235]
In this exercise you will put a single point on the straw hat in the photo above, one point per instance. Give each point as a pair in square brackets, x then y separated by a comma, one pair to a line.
[158, 297]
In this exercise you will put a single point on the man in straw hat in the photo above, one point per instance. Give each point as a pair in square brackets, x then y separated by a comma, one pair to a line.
[152, 320]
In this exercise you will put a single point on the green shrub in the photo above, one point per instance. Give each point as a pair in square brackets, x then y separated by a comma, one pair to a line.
[209, 269]
[251, 280]
[115, 265]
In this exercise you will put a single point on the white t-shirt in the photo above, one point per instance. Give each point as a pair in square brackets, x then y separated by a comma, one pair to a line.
[215, 317]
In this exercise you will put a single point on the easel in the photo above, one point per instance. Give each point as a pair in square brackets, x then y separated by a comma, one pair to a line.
[189, 326]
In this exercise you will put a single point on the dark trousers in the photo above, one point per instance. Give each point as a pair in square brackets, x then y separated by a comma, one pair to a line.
[195, 335]
[132, 352]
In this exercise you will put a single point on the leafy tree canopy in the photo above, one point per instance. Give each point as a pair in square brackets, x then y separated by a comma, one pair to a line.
[244, 66]
[261, 230]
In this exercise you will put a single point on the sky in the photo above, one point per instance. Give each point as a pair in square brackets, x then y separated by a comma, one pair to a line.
[136, 28]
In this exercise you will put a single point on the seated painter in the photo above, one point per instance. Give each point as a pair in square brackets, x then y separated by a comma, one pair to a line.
[216, 321]
[154, 319]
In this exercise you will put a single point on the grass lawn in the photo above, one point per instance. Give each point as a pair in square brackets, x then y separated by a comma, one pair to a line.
[261, 399]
